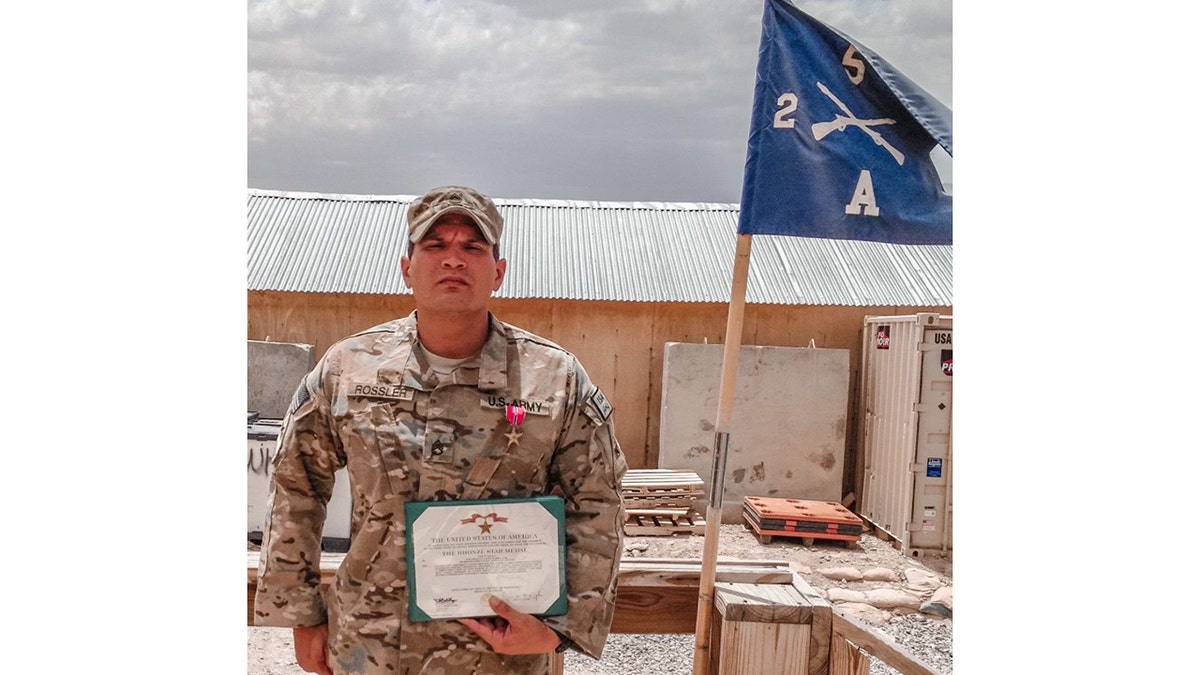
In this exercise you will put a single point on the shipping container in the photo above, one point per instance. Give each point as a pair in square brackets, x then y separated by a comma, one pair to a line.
[905, 440]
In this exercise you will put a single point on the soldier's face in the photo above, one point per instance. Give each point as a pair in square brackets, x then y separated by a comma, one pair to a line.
[453, 268]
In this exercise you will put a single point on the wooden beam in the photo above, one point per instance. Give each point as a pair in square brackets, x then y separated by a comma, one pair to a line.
[821, 636]
[847, 660]
[654, 595]
[655, 609]
[848, 628]
[686, 572]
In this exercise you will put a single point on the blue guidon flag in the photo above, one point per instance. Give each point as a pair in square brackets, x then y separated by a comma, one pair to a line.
[840, 141]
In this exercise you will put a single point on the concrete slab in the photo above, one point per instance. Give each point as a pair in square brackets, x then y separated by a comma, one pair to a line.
[788, 433]
[274, 370]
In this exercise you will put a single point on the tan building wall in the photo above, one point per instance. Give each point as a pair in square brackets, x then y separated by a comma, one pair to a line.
[620, 343]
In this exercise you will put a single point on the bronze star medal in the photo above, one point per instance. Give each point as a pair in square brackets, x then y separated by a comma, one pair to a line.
[515, 414]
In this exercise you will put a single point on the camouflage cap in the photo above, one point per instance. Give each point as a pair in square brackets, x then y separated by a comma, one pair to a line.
[425, 211]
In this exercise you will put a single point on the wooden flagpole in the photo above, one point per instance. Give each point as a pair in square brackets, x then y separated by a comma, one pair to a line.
[716, 486]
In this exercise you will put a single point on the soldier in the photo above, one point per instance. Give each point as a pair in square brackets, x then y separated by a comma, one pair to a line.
[448, 403]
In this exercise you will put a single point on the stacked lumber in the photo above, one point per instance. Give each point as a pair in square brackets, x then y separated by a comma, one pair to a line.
[807, 519]
[662, 502]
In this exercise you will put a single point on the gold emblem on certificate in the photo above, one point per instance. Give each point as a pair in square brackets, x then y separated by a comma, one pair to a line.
[460, 552]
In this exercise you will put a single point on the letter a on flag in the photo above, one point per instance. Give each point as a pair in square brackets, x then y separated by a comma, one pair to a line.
[840, 141]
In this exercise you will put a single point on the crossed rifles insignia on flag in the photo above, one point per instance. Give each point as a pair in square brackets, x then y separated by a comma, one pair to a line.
[840, 122]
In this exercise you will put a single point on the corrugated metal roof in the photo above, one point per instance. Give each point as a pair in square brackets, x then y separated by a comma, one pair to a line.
[587, 250]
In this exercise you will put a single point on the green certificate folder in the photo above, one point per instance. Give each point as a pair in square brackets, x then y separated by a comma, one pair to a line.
[460, 551]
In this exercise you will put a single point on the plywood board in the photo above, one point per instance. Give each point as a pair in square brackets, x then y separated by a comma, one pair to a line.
[788, 435]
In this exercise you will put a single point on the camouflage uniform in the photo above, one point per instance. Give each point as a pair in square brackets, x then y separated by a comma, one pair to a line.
[374, 405]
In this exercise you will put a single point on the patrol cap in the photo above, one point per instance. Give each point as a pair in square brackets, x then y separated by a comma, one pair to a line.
[448, 199]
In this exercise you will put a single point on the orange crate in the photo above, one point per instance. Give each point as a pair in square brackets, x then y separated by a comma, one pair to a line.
[808, 519]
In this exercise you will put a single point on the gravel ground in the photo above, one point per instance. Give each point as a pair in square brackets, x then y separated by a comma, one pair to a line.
[930, 638]
[926, 637]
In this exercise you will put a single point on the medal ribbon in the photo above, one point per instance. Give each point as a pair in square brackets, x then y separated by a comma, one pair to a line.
[515, 414]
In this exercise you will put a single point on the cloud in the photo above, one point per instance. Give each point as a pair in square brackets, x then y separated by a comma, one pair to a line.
[621, 100]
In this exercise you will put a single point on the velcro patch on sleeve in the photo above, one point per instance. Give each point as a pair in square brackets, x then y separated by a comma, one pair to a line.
[597, 406]
[301, 397]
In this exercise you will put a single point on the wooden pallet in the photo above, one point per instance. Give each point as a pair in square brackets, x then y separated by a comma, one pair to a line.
[661, 488]
[661, 502]
[635, 477]
[806, 519]
[653, 524]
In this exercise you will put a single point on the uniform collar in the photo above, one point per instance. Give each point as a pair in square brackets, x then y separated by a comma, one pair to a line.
[493, 358]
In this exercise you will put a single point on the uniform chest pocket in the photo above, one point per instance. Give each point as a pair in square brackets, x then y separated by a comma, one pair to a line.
[521, 449]
[439, 446]
[380, 435]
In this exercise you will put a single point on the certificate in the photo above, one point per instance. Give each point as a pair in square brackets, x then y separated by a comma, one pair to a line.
[458, 552]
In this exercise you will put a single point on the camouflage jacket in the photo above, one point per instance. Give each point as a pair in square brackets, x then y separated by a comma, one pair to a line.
[404, 433]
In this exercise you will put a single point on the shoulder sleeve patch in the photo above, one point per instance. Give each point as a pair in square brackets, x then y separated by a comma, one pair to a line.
[301, 398]
[597, 406]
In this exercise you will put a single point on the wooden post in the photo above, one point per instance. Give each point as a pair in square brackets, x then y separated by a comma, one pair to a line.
[712, 527]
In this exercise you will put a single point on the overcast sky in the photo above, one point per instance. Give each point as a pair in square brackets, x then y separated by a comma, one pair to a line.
[626, 100]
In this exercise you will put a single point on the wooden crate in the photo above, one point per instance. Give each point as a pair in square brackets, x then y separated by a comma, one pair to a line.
[807, 519]
[767, 629]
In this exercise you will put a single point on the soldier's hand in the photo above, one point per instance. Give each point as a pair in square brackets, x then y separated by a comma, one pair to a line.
[513, 632]
[312, 650]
